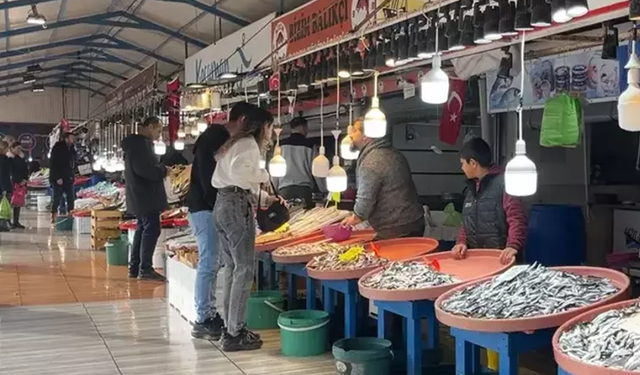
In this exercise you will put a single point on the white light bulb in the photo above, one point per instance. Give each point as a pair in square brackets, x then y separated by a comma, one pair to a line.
[492, 36]
[178, 144]
[434, 87]
[561, 16]
[629, 100]
[202, 126]
[337, 177]
[277, 166]
[320, 165]
[521, 176]
[375, 122]
[119, 165]
[390, 62]
[181, 133]
[577, 10]
[216, 101]
[159, 148]
[194, 131]
[262, 164]
[97, 165]
[346, 151]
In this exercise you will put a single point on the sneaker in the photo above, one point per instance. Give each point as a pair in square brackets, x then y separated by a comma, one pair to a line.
[151, 275]
[210, 329]
[18, 226]
[245, 340]
[133, 274]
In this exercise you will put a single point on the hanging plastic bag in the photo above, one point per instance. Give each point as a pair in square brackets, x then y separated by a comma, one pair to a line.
[452, 218]
[19, 195]
[561, 122]
[5, 208]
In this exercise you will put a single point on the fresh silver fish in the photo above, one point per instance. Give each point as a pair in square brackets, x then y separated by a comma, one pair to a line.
[408, 275]
[308, 249]
[604, 341]
[527, 291]
[334, 260]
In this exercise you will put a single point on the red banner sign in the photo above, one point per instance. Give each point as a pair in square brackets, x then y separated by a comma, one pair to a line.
[316, 22]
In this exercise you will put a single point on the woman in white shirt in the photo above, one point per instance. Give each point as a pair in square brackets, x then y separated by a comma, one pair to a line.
[238, 178]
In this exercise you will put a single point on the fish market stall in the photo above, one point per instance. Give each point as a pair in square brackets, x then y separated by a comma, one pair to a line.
[409, 289]
[603, 341]
[292, 259]
[303, 225]
[518, 310]
[340, 270]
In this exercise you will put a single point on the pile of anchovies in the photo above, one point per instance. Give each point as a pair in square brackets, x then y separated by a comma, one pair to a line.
[603, 341]
[308, 248]
[408, 275]
[528, 291]
[331, 261]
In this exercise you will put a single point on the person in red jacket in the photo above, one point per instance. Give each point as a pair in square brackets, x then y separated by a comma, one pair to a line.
[492, 219]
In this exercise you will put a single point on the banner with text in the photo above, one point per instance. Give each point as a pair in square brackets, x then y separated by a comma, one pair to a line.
[136, 87]
[317, 22]
[239, 52]
[584, 73]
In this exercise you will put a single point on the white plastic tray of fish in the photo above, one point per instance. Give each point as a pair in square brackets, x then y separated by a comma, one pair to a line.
[604, 341]
[308, 248]
[408, 275]
[528, 291]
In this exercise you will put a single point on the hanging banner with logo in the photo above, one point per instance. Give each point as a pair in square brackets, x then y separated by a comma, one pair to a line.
[317, 22]
[239, 52]
[27, 141]
[134, 89]
[584, 73]
[172, 106]
[451, 118]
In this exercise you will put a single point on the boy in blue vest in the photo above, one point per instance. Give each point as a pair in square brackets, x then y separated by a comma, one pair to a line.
[492, 219]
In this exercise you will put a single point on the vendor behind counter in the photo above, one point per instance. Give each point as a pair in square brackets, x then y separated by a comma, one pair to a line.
[386, 194]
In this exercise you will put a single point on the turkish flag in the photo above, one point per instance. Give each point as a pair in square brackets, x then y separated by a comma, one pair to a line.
[274, 82]
[451, 118]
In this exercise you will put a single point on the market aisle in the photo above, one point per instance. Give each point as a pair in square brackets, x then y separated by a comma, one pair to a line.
[39, 266]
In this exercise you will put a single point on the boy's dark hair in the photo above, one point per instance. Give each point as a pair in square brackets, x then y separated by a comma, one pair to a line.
[297, 122]
[240, 109]
[477, 149]
[150, 121]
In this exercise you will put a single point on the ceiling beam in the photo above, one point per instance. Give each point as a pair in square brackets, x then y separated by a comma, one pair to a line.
[63, 82]
[213, 9]
[22, 3]
[100, 19]
[90, 41]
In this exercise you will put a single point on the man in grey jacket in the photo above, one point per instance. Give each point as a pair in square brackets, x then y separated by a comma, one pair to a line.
[299, 152]
[386, 195]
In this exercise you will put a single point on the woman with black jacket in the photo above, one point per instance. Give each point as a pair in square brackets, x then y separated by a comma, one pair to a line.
[5, 179]
[19, 177]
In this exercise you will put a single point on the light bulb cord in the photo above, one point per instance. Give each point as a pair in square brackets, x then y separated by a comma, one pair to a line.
[350, 101]
[521, 98]
[338, 88]
[321, 114]
[375, 84]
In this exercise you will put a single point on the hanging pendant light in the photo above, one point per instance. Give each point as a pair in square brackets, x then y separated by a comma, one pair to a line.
[634, 10]
[507, 18]
[337, 176]
[577, 8]
[216, 101]
[344, 70]
[523, 16]
[346, 150]
[435, 84]
[559, 11]
[375, 122]
[540, 13]
[521, 175]
[159, 147]
[629, 100]
[390, 50]
[179, 144]
[492, 23]
[320, 165]
[277, 164]
[194, 131]
[478, 25]
[181, 132]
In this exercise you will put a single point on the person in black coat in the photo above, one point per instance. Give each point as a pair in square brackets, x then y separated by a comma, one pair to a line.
[5, 180]
[19, 177]
[146, 197]
[62, 173]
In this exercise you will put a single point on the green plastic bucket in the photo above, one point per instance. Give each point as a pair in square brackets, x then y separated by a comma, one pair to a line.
[263, 309]
[117, 252]
[64, 223]
[364, 355]
[304, 333]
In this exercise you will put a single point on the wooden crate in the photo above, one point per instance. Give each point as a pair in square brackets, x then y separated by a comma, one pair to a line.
[104, 226]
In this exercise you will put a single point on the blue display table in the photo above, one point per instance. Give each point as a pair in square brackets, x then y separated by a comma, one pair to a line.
[299, 270]
[266, 269]
[507, 345]
[413, 312]
[354, 304]
[562, 372]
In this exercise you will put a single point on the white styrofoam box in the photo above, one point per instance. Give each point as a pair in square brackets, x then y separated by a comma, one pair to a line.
[82, 225]
[181, 288]
[44, 202]
[626, 231]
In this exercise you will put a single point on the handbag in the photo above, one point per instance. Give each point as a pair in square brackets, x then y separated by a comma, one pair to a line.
[19, 196]
[272, 217]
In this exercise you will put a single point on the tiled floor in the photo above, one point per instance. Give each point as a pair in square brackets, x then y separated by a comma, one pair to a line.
[41, 266]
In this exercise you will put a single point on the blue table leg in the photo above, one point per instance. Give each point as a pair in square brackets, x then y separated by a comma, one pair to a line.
[292, 289]
[329, 302]
[351, 310]
[562, 372]
[311, 294]
[467, 358]
[382, 324]
[508, 363]
[414, 347]
[433, 328]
